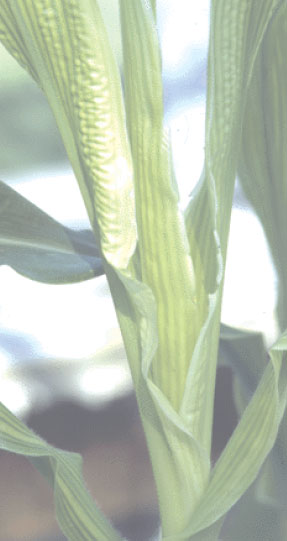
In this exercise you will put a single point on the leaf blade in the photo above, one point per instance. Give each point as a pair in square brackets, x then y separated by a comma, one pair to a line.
[66, 45]
[164, 260]
[39, 247]
[77, 514]
[263, 164]
[250, 444]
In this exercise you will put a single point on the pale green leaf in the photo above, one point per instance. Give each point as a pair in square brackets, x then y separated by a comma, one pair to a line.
[163, 247]
[39, 247]
[64, 45]
[168, 300]
[78, 515]
[237, 32]
[263, 158]
[250, 444]
[187, 285]
[245, 352]
[153, 6]
[166, 268]
[263, 175]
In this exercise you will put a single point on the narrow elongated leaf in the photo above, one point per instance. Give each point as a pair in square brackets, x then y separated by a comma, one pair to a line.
[263, 175]
[250, 443]
[233, 48]
[165, 257]
[78, 515]
[64, 45]
[39, 247]
[166, 268]
[263, 158]
[185, 409]
[236, 34]
[245, 353]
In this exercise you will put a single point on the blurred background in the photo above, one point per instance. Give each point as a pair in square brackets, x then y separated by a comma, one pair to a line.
[62, 363]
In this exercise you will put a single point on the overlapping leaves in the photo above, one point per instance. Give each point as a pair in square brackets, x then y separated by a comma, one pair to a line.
[168, 293]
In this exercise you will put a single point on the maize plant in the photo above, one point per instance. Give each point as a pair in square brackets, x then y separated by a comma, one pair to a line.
[165, 268]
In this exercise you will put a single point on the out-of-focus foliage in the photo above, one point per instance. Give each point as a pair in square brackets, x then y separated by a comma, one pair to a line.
[42, 249]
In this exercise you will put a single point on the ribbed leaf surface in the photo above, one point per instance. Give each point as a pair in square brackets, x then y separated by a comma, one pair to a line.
[263, 158]
[263, 175]
[65, 47]
[78, 515]
[237, 33]
[168, 293]
[261, 512]
[165, 266]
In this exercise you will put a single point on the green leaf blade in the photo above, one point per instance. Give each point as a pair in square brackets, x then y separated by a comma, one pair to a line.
[40, 248]
[263, 162]
[166, 270]
[237, 33]
[163, 254]
[77, 514]
[66, 44]
[250, 444]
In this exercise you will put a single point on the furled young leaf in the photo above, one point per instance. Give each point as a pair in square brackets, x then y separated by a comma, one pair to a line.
[40, 248]
[166, 268]
[163, 246]
[263, 158]
[78, 515]
[64, 45]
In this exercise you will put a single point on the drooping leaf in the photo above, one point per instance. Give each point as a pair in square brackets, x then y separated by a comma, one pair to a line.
[78, 515]
[65, 47]
[39, 247]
